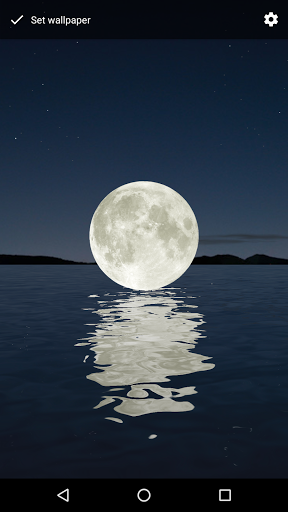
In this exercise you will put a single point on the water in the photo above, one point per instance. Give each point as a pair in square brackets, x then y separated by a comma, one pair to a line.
[99, 381]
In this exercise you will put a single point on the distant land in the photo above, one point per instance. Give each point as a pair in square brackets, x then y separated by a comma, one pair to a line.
[8, 259]
[219, 259]
[228, 259]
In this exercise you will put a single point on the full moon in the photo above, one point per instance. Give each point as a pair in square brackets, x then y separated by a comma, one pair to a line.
[144, 235]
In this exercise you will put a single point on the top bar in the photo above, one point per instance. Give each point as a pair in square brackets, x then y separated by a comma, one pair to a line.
[143, 23]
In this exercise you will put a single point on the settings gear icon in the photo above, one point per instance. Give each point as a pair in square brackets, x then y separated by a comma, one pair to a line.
[269, 21]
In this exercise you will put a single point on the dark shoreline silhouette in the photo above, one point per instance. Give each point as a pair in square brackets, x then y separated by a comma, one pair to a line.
[219, 259]
[228, 259]
[8, 259]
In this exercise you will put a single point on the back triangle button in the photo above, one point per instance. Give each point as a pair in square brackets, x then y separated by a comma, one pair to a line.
[63, 497]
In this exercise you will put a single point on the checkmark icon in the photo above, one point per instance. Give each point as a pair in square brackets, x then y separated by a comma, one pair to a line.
[14, 22]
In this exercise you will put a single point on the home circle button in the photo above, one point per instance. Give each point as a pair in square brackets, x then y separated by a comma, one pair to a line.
[144, 495]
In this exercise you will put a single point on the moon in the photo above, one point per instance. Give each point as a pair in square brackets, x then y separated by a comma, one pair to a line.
[144, 235]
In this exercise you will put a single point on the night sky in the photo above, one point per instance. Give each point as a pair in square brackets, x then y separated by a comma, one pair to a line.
[207, 118]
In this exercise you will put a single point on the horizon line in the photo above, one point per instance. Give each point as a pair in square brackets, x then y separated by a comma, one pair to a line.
[91, 262]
